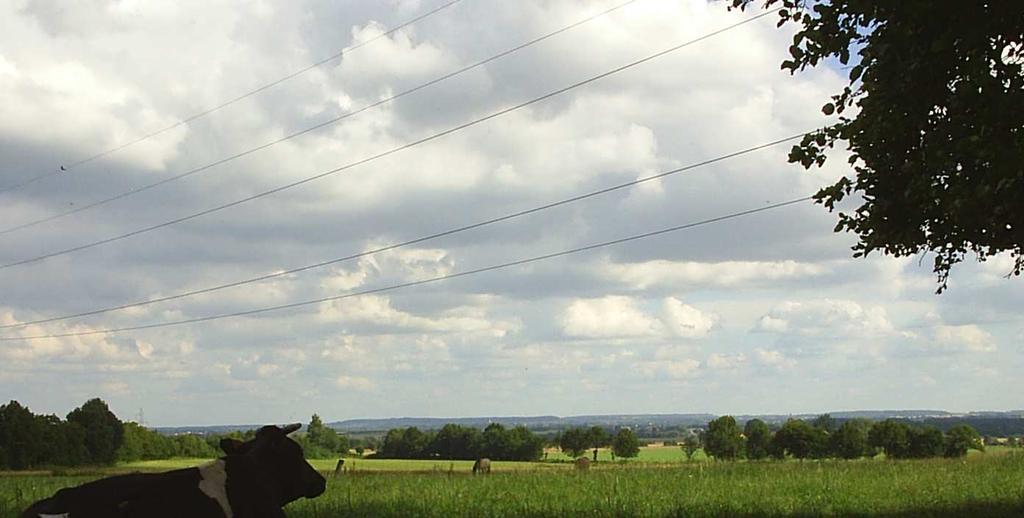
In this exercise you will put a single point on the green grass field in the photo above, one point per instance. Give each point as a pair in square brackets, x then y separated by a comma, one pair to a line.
[990, 484]
[647, 454]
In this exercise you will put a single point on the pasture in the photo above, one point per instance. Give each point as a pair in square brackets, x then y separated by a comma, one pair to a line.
[989, 484]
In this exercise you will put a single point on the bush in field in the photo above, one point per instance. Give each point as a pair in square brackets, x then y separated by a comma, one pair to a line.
[723, 439]
[691, 444]
[892, 437]
[195, 446]
[758, 437]
[625, 444]
[926, 442]
[850, 441]
[801, 440]
[961, 438]
[142, 444]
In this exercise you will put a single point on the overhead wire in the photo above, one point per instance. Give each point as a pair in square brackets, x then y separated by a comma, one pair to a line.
[318, 126]
[410, 242]
[388, 152]
[410, 284]
[65, 168]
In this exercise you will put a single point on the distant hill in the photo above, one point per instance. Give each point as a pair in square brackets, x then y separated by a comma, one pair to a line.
[533, 422]
[203, 430]
[1001, 421]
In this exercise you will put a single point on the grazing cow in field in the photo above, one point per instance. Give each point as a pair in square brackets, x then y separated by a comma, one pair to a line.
[582, 464]
[482, 466]
[255, 479]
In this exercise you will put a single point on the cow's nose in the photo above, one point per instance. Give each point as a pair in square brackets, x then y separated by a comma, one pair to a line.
[318, 488]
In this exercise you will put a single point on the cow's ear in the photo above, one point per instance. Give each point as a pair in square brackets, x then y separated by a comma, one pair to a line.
[291, 428]
[232, 446]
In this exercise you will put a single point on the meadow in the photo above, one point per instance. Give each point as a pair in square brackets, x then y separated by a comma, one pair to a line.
[989, 484]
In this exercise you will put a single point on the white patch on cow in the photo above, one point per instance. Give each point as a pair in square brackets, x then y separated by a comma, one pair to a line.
[214, 484]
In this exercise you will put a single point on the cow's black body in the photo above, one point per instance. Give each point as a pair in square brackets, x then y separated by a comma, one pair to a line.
[256, 479]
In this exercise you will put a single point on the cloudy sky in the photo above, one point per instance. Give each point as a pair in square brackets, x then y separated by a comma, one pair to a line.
[765, 313]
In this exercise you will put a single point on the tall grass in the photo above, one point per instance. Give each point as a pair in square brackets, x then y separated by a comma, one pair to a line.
[981, 485]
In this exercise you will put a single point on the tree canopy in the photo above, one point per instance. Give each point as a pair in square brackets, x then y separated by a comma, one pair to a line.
[574, 441]
[931, 117]
[961, 438]
[625, 444]
[723, 439]
[104, 432]
[758, 438]
[850, 441]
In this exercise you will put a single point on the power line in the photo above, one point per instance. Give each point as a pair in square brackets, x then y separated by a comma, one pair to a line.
[67, 167]
[385, 153]
[410, 284]
[418, 240]
[315, 127]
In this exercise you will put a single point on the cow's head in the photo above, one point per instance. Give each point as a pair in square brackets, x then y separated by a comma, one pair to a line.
[283, 459]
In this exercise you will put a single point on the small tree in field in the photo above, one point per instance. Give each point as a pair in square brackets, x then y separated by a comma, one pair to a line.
[824, 422]
[891, 436]
[961, 438]
[574, 441]
[850, 441]
[723, 439]
[597, 437]
[691, 444]
[625, 444]
[926, 442]
[758, 438]
[800, 440]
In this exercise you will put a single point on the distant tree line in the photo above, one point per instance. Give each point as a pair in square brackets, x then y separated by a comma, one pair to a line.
[319, 441]
[575, 441]
[821, 438]
[456, 442]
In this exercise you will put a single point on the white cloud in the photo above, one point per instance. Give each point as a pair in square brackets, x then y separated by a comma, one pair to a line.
[726, 361]
[617, 316]
[680, 274]
[773, 358]
[376, 310]
[827, 317]
[355, 383]
[965, 338]
[607, 317]
[670, 369]
[686, 321]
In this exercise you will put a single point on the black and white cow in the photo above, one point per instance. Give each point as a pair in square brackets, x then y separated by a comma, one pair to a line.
[255, 479]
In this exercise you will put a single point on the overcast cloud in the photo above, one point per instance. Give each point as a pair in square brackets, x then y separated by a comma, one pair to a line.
[766, 313]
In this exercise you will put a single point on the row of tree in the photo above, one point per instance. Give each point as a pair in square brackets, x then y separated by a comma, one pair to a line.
[318, 442]
[576, 441]
[821, 438]
[91, 434]
[453, 442]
